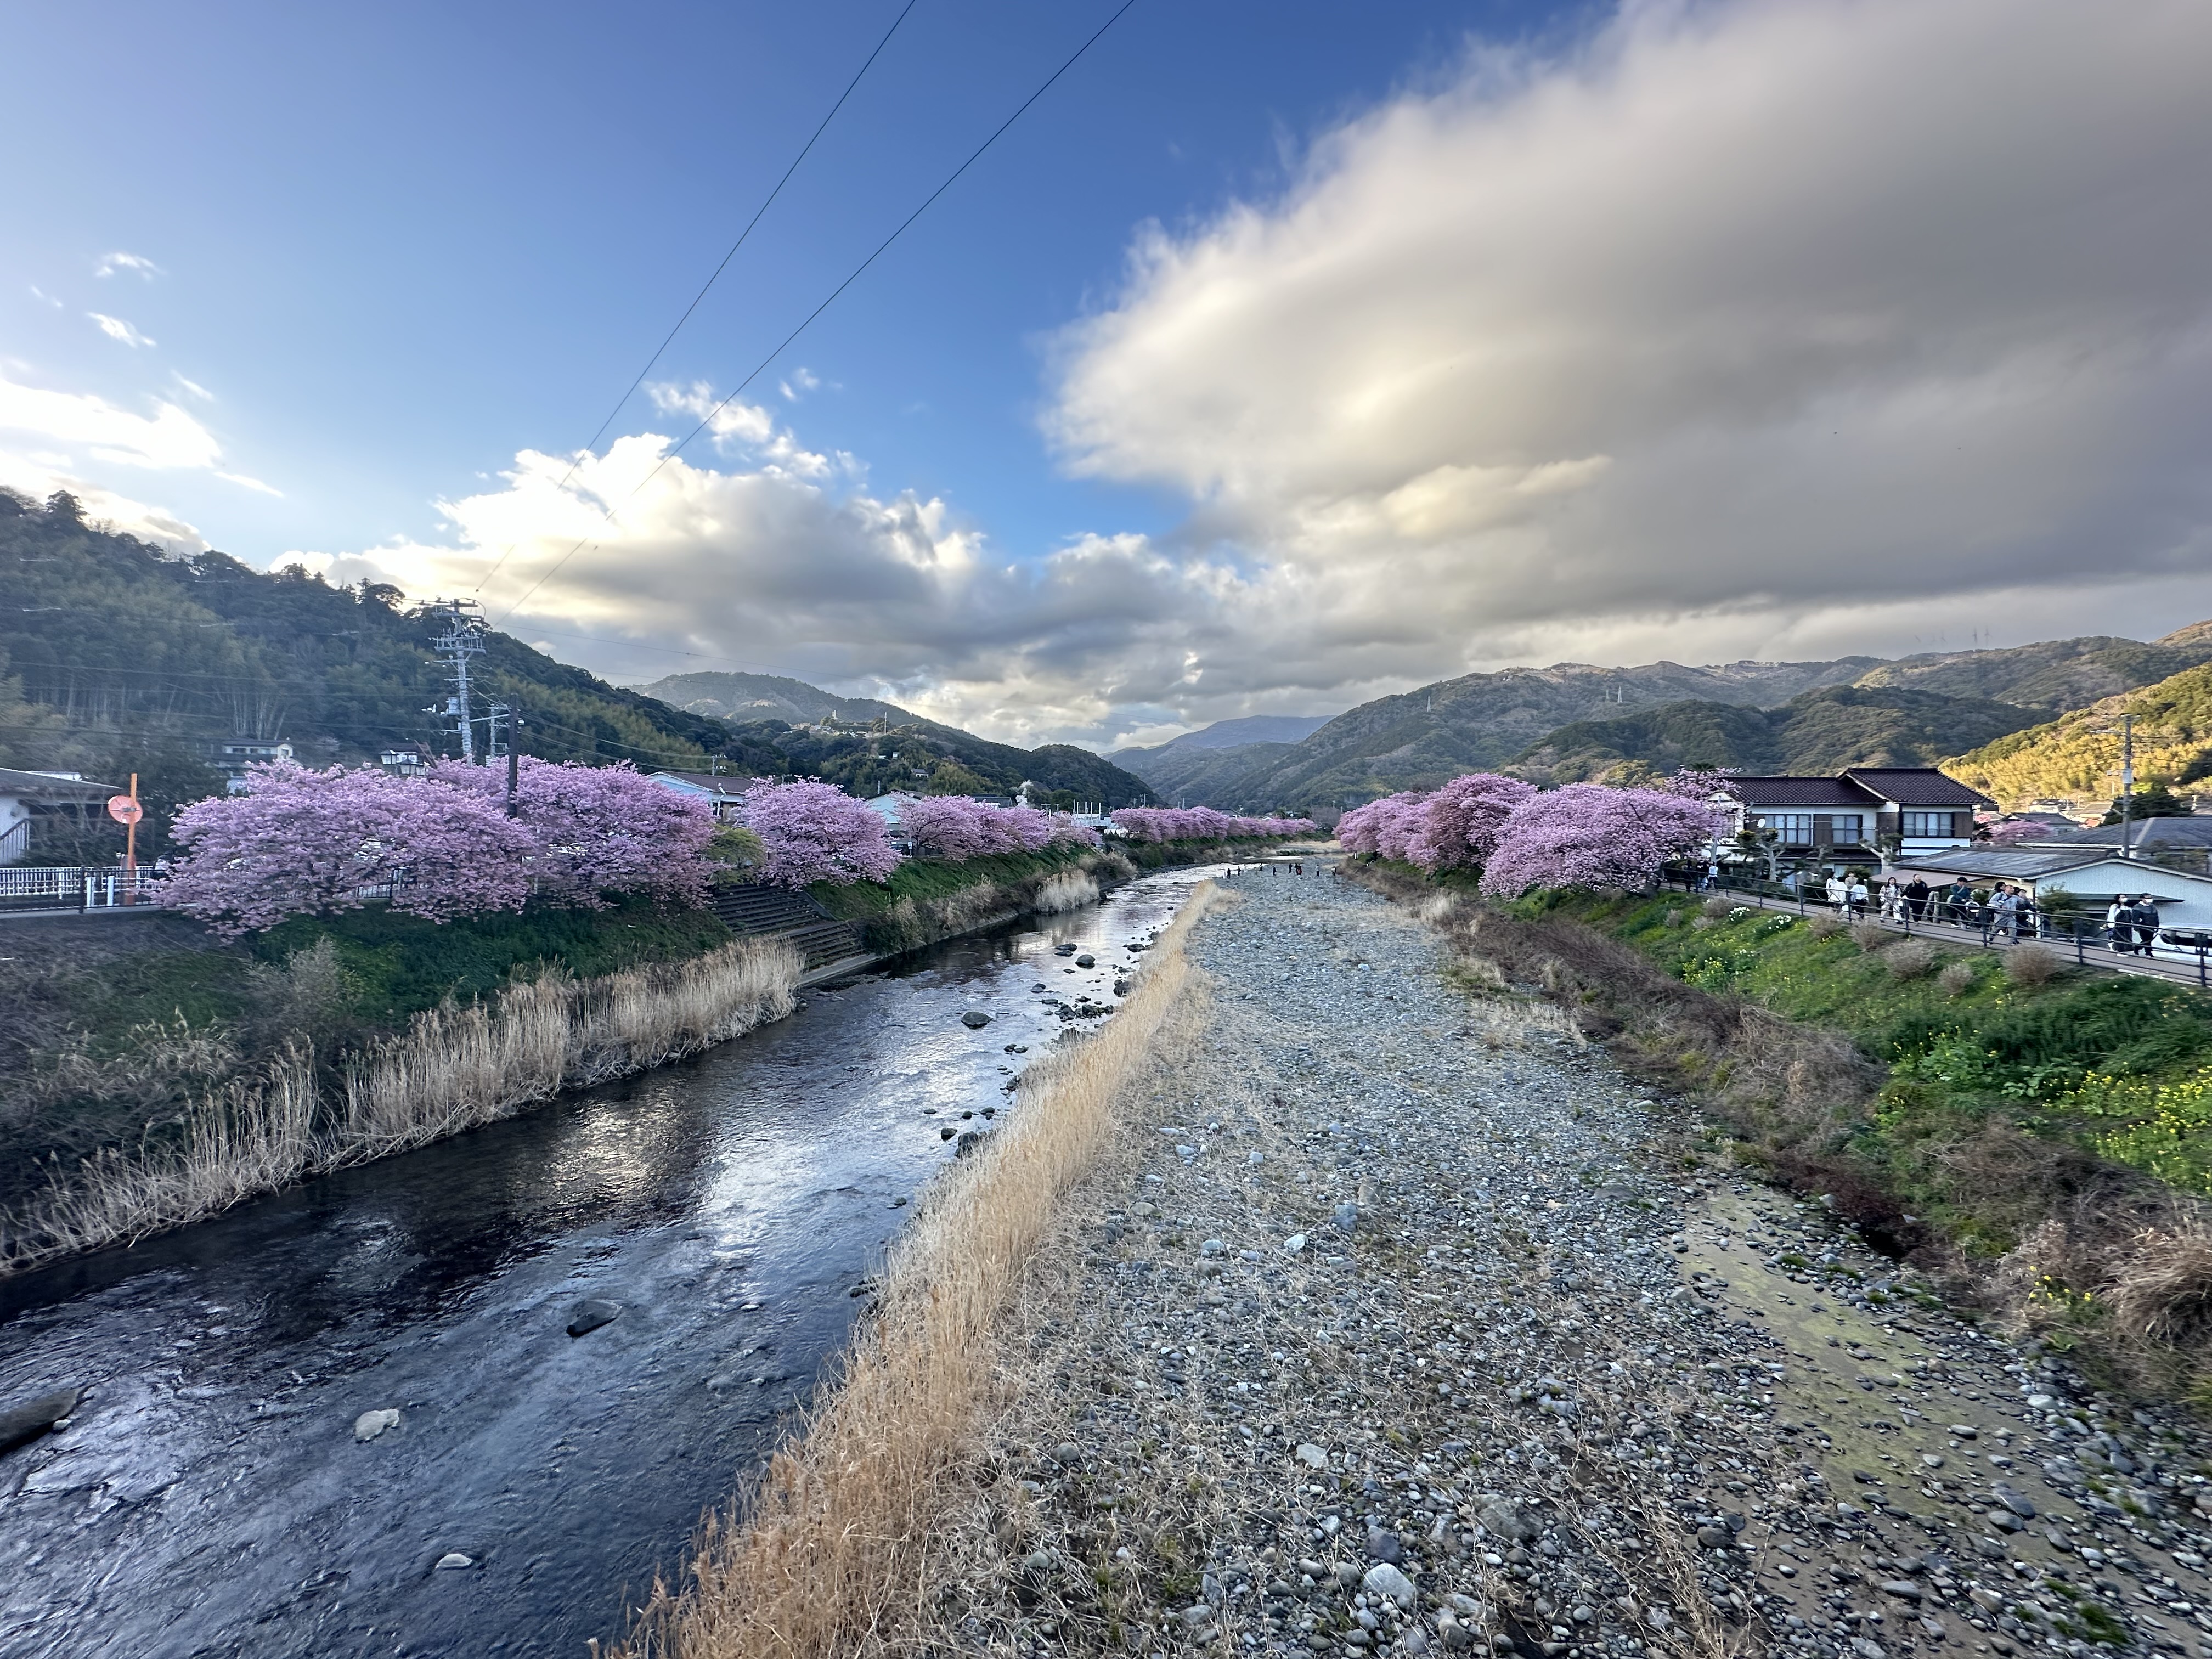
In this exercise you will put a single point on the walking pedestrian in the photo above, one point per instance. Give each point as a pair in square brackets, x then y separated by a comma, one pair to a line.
[2146, 921]
[1858, 896]
[1915, 898]
[2120, 924]
[1892, 901]
[2004, 914]
[1839, 894]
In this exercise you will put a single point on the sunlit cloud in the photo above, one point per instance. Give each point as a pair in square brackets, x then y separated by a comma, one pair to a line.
[138, 265]
[115, 328]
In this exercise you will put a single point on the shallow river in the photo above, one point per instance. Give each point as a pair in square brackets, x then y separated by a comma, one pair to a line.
[211, 1497]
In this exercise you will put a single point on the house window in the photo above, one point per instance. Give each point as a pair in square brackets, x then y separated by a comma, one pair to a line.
[1841, 829]
[1934, 824]
[1793, 829]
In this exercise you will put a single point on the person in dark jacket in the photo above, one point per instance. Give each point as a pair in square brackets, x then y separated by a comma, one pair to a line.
[1915, 898]
[1959, 901]
[2146, 921]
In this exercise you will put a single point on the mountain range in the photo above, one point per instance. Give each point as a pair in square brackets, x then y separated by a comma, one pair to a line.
[1574, 721]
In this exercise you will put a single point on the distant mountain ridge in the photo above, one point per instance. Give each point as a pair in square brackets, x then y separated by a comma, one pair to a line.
[757, 710]
[740, 697]
[1423, 737]
[1202, 758]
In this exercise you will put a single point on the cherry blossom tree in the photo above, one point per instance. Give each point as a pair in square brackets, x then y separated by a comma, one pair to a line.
[1167, 824]
[1460, 824]
[600, 829]
[1588, 836]
[814, 832]
[2012, 832]
[303, 842]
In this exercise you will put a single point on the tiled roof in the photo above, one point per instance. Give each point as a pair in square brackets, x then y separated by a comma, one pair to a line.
[1802, 792]
[2144, 832]
[38, 786]
[1916, 785]
[2001, 866]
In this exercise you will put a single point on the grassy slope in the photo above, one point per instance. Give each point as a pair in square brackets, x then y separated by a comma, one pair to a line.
[2077, 756]
[2094, 1061]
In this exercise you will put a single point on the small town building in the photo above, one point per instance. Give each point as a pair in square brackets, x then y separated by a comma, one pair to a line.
[233, 756]
[2089, 878]
[1839, 819]
[26, 798]
[722, 791]
[2181, 843]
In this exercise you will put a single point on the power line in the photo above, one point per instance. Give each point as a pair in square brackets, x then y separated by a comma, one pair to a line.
[631, 389]
[607, 514]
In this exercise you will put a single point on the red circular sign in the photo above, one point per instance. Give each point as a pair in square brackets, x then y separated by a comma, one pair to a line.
[124, 810]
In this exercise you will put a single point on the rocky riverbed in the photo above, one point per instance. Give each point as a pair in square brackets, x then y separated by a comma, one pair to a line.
[1405, 1323]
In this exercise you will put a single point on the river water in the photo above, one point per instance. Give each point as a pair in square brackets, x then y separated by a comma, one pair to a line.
[211, 1497]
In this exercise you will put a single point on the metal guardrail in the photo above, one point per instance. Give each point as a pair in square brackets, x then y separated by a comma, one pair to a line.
[73, 888]
[2182, 955]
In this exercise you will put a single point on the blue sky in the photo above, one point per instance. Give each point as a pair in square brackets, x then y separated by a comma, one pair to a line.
[1282, 355]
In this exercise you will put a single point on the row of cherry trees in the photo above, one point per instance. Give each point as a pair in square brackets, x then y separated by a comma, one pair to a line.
[1164, 823]
[1584, 834]
[302, 842]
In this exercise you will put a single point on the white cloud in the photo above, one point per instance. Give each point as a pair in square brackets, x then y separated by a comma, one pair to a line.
[39, 476]
[1741, 316]
[192, 386]
[115, 328]
[799, 384]
[136, 264]
[244, 482]
[45, 298]
[167, 438]
[739, 428]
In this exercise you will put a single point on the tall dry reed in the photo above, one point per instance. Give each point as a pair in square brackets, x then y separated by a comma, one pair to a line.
[451, 1069]
[828, 1554]
[1071, 890]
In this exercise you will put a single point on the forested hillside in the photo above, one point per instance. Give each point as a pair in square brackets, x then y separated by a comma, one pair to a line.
[1823, 730]
[1651, 713]
[2077, 757]
[134, 661]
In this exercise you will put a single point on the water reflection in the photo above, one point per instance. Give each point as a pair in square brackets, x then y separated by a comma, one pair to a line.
[211, 1497]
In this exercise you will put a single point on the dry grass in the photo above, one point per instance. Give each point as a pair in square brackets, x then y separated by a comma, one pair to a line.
[1912, 959]
[828, 1555]
[2033, 964]
[1069, 890]
[451, 1069]
[1827, 925]
[1956, 979]
[1870, 935]
[2161, 1292]
[1717, 907]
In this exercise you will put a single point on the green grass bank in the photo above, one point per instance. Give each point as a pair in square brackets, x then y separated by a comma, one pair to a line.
[2042, 1133]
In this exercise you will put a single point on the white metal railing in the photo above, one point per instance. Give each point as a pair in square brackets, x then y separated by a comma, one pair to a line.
[73, 888]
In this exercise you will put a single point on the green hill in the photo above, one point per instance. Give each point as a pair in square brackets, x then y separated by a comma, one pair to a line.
[2077, 757]
[1823, 730]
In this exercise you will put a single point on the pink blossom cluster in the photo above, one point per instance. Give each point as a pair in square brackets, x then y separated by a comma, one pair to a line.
[302, 842]
[815, 832]
[1202, 824]
[299, 842]
[1589, 835]
[599, 829]
[2013, 831]
[1455, 828]
[959, 827]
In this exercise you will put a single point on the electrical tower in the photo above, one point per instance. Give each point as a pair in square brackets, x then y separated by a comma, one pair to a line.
[462, 641]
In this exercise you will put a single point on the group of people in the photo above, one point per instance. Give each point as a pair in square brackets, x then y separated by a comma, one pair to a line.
[2010, 910]
[2132, 923]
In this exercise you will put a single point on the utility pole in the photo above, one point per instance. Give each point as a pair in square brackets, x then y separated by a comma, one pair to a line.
[514, 754]
[462, 641]
[2127, 784]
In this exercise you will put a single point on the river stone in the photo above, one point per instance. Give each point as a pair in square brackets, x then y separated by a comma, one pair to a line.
[1312, 1456]
[20, 1424]
[2013, 1501]
[1346, 1216]
[975, 1019]
[1384, 1547]
[1086, 960]
[454, 1561]
[969, 1141]
[1503, 1521]
[369, 1424]
[587, 1316]
[1384, 1579]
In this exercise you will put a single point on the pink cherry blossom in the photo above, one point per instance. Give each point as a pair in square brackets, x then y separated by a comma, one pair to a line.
[814, 832]
[1588, 836]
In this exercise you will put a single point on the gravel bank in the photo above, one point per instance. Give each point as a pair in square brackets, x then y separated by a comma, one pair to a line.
[1402, 1324]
